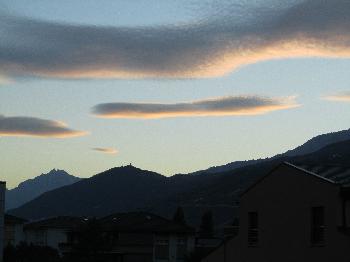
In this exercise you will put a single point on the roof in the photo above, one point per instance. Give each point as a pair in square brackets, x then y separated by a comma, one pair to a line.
[142, 222]
[60, 222]
[334, 174]
[13, 220]
[123, 222]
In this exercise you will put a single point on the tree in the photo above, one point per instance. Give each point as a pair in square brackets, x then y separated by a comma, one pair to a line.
[179, 216]
[207, 225]
[90, 243]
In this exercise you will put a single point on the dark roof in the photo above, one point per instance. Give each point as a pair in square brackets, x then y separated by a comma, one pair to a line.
[142, 222]
[60, 222]
[13, 220]
[337, 175]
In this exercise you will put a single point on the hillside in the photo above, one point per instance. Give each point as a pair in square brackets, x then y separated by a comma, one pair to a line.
[312, 145]
[32, 188]
[115, 190]
[129, 189]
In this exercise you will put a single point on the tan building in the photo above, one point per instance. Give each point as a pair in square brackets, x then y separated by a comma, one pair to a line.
[293, 214]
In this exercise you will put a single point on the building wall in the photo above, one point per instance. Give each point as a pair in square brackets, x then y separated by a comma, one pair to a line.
[2, 211]
[178, 245]
[14, 234]
[46, 237]
[283, 201]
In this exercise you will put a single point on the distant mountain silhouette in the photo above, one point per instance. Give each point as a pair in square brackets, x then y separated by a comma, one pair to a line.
[129, 188]
[310, 146]
[115, 190]
[32, 188]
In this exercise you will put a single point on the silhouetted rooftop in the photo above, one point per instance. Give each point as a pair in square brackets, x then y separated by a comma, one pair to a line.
[60, 222]
[337, 174]
[142, 222]
[13, 220]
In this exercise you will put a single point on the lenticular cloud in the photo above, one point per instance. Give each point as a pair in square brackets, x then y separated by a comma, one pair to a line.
[211, 47]
[221, 106]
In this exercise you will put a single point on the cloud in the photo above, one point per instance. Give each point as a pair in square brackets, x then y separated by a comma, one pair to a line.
[106, 150]
[4, 80]
[211, 47]
[221, 106]
[341, 97]
[35, 127]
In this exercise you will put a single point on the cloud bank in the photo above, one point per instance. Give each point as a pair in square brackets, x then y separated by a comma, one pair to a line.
[106, 150]
[212, 47]
[341, 97]
[35, 127]
[221, 106]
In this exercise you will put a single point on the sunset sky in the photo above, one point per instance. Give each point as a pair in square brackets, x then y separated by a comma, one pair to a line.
[169, 86]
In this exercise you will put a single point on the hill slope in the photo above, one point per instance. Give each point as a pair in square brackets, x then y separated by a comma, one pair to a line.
[115, 190]
[312, 145]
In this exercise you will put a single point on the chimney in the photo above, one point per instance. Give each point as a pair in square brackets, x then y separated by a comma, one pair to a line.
[2, 214]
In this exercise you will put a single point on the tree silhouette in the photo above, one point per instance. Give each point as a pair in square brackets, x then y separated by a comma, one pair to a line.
[207, 225]
[179, 216]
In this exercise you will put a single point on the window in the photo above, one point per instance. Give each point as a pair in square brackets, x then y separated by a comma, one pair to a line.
[317, 225]
[161, 249]
[253, 229]
[181, 248]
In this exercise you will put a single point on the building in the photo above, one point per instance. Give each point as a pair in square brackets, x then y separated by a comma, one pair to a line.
[126, 237]
[143, 237]
[14, 233]
[2, 213]
[293, 214]
[51, 232]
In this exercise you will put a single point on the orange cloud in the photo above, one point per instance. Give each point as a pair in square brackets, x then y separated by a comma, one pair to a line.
[342, 97]
[221, 106]
[22, 126]
[106, 150]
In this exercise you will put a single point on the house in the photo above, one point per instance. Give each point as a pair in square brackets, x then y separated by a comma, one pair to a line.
[14, 233]
[293, 214]
[51, 231]
[2, 213]
[127, 237]
[142, 236]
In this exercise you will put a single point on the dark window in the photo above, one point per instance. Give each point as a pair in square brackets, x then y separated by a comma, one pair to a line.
[317, 225]
[161, 249]
[253, 229]
[181, 248]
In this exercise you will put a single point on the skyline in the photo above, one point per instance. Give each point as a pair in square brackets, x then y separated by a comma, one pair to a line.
[262, 81]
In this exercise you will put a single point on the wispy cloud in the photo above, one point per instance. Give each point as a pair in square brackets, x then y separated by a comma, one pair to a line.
[106, 150]
[341, 97]
[221, 106]
[211, 47]
[36, 127]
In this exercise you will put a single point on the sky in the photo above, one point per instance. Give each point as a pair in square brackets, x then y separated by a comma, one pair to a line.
[169, 86]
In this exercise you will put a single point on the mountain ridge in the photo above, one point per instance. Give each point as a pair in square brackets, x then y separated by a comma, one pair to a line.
[31, 188]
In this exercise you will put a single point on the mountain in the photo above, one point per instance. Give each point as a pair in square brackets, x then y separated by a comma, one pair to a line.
[32, 188]
[319, 142]
[115, 190]
[129, 189]
[312, 145]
